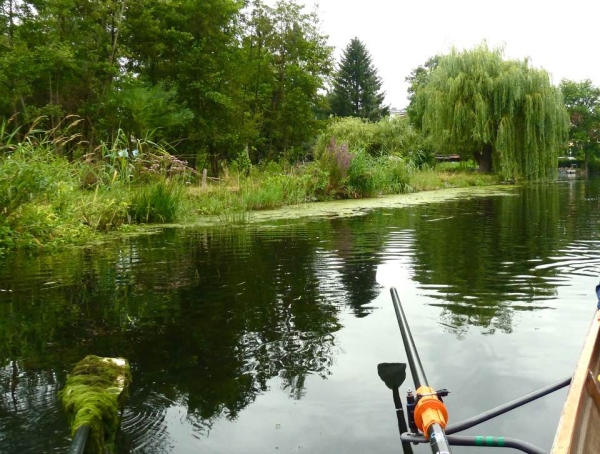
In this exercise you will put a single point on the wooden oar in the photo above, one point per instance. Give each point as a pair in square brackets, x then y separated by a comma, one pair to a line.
[430, 413]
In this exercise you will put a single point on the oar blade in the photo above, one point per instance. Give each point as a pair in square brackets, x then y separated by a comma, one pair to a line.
[392, 374]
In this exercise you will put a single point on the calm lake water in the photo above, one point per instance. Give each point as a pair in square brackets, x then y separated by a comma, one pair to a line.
[266, 338]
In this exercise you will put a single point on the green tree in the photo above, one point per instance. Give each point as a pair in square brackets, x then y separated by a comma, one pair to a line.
[59, 57]
[190, 47]
[144, 111]
[286, 60]
[356, 87]
[504, 112]
[582, 100]
[417, 79]
[208, 74]
[20, 65]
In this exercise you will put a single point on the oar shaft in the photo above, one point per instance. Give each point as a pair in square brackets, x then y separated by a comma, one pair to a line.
[79, 440]
[416, 368]
[437, 440]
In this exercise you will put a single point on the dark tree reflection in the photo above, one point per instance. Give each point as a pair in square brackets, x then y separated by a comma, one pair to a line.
[211, 318]
[482, 258]
[206, 319]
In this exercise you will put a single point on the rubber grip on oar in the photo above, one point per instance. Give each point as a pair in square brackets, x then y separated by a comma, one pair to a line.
[429, 410]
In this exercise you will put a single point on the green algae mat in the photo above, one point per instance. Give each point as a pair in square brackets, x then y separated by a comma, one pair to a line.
[93, 396]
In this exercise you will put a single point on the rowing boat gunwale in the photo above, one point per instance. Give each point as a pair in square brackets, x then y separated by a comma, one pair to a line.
[570, 421]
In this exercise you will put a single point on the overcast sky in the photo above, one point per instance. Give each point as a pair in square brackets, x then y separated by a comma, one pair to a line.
[562, 37]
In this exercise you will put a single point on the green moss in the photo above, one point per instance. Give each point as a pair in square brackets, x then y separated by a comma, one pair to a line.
[93, 395]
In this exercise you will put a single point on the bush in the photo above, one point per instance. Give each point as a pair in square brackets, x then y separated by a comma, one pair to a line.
[104, 212]
[335, 161]
[349, 132]
[394, 136]
[421, 157]
[122, 163]
[31, 173]
[159, 202]
[363, 178]
[36, 224]
[272, 168]
[389, 136]
[158, 164]
[395, 174]
[315, 182]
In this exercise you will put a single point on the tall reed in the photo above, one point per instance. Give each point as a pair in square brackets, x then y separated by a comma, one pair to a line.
[159, 202]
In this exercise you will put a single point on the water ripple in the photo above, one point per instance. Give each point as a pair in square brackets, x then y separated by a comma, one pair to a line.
[30, 409]
[144, 424]
[581, 258]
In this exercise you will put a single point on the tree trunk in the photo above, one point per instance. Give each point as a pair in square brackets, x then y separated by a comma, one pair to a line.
[484, 158]
[214, 160]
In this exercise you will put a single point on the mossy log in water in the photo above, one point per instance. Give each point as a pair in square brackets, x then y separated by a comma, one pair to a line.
[93, 395]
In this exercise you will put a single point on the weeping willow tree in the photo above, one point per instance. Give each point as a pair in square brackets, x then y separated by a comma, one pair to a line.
[505, 112]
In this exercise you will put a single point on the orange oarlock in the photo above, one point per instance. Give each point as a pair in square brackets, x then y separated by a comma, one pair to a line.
[429, 410]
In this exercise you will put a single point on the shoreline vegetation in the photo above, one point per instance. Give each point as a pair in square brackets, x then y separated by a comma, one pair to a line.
[127, 113]
[53, 195]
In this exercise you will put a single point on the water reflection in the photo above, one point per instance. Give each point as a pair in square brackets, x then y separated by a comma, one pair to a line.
[495, 256]
[28, 407]
[209, 318]
[206, 319]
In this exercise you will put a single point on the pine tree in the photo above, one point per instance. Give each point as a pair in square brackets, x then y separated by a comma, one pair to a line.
[356, 88]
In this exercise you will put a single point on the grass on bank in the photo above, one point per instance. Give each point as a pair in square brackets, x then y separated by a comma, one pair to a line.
[48, 201]
[235, 194]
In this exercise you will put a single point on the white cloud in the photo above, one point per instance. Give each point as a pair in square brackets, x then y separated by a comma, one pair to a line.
[561, 37]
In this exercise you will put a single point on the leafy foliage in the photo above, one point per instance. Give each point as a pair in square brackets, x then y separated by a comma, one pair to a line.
[417, 79]
[209, 76]
[477, 102]
[144, 111]
[46, 201]
[157, 203]
[29, 174]
[396, 175]
[393, 136]
[286, 60]
[582, 100]
[356, 87]
[362, 175]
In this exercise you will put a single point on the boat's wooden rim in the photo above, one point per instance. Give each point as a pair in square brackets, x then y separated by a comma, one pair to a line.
[583, 381]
